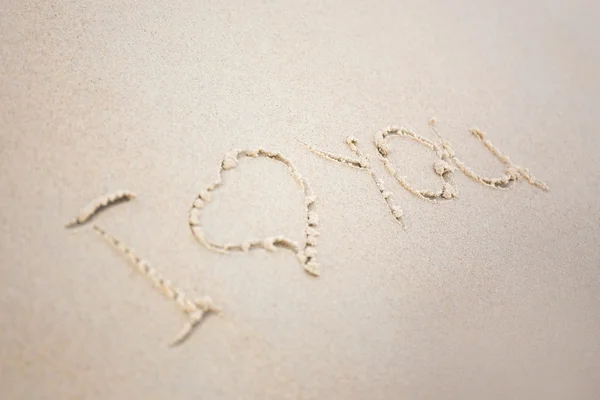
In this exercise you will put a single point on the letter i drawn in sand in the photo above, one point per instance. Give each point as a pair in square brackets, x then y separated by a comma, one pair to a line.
[306, 254]
[195, 310]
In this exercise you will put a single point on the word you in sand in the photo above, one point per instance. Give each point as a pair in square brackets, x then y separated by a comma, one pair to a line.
[448, 162]
[196, 309]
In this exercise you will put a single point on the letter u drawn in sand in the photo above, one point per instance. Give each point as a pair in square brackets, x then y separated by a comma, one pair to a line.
[512, 172]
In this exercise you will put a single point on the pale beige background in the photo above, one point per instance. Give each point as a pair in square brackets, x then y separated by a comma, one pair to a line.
[492, 296]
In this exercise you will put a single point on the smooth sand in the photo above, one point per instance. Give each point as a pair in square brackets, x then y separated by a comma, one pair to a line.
[493, 295]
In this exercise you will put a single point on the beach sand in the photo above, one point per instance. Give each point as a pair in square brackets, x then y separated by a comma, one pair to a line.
[492, 295]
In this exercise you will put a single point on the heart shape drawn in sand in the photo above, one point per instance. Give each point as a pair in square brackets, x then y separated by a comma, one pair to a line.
[306, 255]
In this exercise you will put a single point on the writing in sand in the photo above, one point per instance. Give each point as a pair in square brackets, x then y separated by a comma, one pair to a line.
[305, 253]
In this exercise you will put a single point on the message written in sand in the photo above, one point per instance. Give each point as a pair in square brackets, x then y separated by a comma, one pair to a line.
[305, 253]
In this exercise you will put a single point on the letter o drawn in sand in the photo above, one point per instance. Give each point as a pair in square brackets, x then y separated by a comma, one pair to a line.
[443, 167]
[305, 255]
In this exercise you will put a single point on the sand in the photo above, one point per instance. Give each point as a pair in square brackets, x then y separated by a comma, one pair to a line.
[493, 294]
